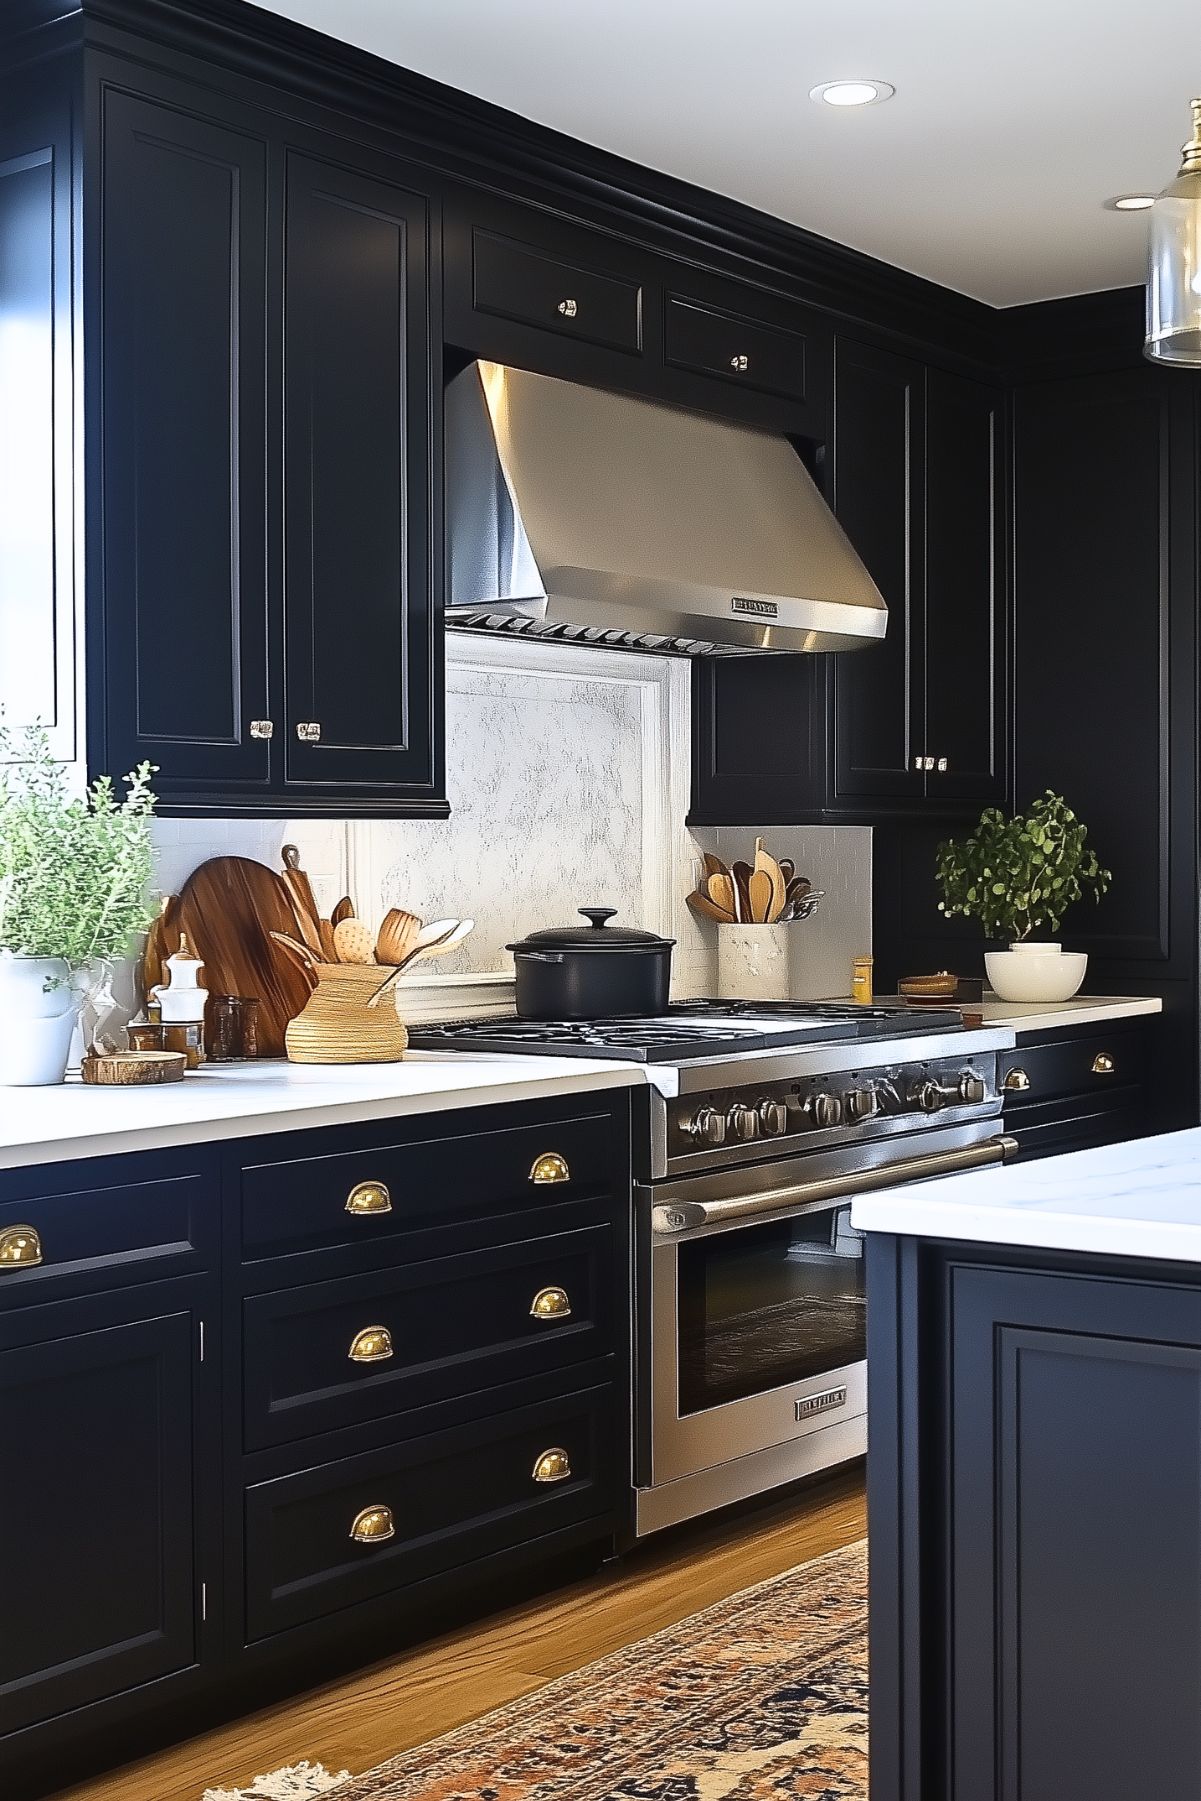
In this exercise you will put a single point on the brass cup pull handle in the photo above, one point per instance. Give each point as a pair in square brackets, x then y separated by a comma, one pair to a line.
[1016, 1081]
[1103, 1064]
[369, 1197]
[373, 1525]
[20, 1248]
[550, 1167]
[550, 1304]
[552, 1466]
[372, 1345]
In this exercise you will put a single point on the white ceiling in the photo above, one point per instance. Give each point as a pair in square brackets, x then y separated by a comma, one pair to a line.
[1013, 119]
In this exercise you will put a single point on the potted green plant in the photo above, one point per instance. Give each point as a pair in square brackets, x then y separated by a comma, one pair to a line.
[1017, 877]
[74, 875]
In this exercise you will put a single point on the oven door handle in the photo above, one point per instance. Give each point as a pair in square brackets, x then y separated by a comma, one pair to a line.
[673, 1217]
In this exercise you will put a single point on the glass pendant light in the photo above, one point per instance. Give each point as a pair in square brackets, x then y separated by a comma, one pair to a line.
[1174, 270]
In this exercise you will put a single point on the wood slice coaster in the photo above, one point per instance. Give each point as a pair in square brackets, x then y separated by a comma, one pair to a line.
[133, 1069]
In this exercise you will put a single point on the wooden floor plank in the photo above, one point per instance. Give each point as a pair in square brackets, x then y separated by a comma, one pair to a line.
[363, 1719]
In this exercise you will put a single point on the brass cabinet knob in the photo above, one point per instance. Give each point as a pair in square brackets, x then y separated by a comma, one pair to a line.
[309, 731]
[1016, 1081]
[20, 1248]
[372, 1345]
[943, 765]
[550, 1304]
[568, 308]
[373, 1525]
[1103, 1064]
[552, 1466]
[262, 728]
[740, 364]
[369, 1197]
[550, 1167]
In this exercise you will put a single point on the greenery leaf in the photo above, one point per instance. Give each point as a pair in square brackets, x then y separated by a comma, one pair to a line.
[1001, 874]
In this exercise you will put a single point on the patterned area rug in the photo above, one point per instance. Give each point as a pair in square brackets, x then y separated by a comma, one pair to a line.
[761, 1698]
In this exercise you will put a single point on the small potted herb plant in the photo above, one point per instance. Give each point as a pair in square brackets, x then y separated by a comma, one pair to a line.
[1017, 877]
[74, 873]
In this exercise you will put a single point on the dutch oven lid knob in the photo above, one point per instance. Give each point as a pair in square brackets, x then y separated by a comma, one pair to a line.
[597, 916]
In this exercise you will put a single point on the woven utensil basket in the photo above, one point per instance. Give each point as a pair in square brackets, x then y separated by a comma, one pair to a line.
[339, 1026]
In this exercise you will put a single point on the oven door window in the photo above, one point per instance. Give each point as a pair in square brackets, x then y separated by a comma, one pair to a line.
[765, 1305]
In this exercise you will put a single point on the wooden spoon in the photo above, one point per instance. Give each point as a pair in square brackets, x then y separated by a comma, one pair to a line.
[429, 939]
[451, 941]
[343, 910]
[301, 952]
[396, 935]
[713, 865]
[742, 885]
[704, 908]
[720, 890]
[329, 950]
[354, 942]
[762, 893]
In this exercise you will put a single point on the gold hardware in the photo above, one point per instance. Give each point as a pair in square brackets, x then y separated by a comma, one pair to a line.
[568, 308]
[943, 765]
[740, 364]
[309, 732]
[1103, 1064]
[1016, 1081]
[369, 1197]
[927, 763]
[372, 1345]
[262, 728]
[550, 1167]
[917, 761]
[1192, 150]
[553, 1465]
[20, 1248]
[373, 1525]
[550, 1304]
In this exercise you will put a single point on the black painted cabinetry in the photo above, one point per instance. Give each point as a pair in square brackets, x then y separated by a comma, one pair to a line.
[1036, 1573]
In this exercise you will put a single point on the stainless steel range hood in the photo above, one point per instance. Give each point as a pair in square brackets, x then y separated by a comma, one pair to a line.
[581, 514]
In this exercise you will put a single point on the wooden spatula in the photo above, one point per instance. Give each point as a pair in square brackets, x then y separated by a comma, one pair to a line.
[720, 890]
[761, 893]
[704, 908]
[397, 936]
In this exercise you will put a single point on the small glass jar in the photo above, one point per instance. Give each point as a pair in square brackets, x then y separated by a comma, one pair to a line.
[186, 1036]
[249, 1010]
[224, 1015]
[145, 1035]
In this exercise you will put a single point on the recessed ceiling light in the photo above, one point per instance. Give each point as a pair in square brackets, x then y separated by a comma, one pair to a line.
[1130, 203]
[852, 93]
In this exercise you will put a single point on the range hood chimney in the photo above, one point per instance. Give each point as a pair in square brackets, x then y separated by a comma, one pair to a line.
[577, 513]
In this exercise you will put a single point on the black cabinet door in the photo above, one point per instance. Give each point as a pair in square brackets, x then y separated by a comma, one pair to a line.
[879, 691]
[1074, 1612]
[358, 543]
[965, 591]
[100, 1589]
[179, 664]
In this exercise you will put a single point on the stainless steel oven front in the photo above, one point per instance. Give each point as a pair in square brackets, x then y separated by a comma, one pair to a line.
[751, 1316]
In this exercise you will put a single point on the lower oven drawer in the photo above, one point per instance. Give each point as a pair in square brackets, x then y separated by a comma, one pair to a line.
[338, 1353]
[355, 1530]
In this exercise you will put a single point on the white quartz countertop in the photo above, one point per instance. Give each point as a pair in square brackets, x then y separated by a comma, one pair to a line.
[1084, 1010]
[1137, 1199]
[242, 1100]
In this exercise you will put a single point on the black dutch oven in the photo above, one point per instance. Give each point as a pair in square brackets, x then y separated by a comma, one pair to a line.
[592, 971]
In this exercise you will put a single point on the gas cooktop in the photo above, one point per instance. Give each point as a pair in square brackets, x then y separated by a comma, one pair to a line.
[689, 1030]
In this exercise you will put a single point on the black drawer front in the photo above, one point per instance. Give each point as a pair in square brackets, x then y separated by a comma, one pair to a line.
[1075, 1124]
[741, 350]
[104, 1235]
[313, 1203]
[451, 1498]
[1093, 1064]
[423, 1332]
[519, 283]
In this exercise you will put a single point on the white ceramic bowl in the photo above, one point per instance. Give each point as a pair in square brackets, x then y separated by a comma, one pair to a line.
[1035, 972]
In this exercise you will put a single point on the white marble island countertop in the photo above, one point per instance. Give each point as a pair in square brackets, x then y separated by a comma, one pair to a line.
[244, 1100]
[1141, 1198]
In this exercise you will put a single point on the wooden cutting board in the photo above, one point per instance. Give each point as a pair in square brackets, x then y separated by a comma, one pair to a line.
[228, 908]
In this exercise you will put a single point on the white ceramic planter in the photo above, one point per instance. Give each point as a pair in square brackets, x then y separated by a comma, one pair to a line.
[1035, 972]
[38, 1010]
[752, 963]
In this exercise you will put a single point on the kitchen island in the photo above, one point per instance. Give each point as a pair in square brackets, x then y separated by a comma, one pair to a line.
[1034, 1479]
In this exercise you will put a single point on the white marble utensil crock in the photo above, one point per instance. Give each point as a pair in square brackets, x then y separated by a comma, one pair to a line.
[752, 962]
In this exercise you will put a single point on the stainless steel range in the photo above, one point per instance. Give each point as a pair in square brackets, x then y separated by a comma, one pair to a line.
[763, 1123]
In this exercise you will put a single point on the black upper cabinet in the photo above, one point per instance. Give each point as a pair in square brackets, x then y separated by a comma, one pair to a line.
[879, 692]
[184, 667]
[266, 456]
[357, 547]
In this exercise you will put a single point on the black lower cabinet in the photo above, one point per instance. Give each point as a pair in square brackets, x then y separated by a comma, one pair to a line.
[1035, 1491]
[272, 1409]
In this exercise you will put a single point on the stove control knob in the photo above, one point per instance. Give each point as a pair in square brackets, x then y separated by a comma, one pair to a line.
[773, 1118]
[972, 1088]
[862, 1103]
[707, 1126]
[931, 1096]
[824, 1109]
[743, 1122]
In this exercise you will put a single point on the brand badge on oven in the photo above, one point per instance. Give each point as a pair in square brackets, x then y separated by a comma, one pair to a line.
[826, 1402]
[758, 609]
